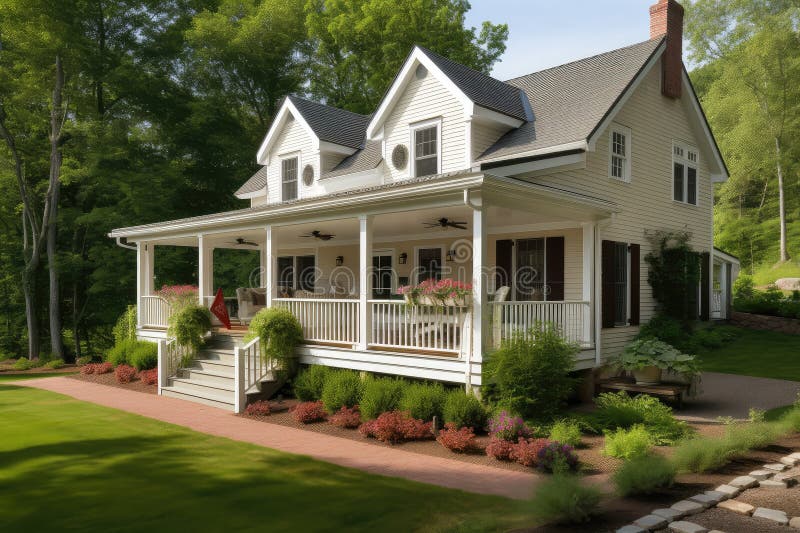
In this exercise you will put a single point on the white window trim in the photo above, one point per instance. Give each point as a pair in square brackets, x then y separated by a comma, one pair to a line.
[626, 169]
[294, 255]
[298, 180]
[390, 252]
[415, 266]
[686, 164]
[412, 165]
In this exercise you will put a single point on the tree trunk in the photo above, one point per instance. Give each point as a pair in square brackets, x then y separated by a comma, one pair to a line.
[56, 122]
[32, 321]
[781, 202]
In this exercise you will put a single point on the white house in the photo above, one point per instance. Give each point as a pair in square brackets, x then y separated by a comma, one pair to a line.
[537, 190]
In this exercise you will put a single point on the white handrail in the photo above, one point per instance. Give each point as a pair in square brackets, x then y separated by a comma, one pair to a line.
[156, 312]
[429, 328]
[518, 318]
[170, 355]
[250, 367]
[324, 319]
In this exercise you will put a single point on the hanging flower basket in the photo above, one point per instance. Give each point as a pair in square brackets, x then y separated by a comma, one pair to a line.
[442, 293]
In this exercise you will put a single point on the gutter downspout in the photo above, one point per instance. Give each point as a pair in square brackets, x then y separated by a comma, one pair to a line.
[125, 244]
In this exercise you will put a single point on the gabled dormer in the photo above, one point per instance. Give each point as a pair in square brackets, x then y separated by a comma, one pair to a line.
[438, 116]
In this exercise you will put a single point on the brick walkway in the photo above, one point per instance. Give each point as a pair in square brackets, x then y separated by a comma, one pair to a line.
[353, 454]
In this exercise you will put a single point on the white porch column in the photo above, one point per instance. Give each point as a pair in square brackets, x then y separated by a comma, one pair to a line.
[480, 299]
[205, 275]
[588, 277]
[140, 267]
[270, 272]
[149, 270]
[364, 279]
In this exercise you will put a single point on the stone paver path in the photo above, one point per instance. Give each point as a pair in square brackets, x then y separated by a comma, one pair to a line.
[353, 454]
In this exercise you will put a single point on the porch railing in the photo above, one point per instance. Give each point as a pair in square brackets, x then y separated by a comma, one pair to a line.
[427, 328]
[170, 355]
[513, 318]
[249, 369]
[156, 312]
[324, 320]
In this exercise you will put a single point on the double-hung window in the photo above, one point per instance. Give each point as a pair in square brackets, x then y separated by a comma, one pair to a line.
[619, 165]
[289, 179]
[425, 140]
[684, 174]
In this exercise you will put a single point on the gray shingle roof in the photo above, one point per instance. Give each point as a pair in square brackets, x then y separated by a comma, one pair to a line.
[367, 158]
[570, 101]
[482, 89]
[332, 124]
[257, 181]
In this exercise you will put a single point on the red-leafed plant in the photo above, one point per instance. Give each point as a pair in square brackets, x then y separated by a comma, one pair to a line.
[500, 449]
[149, 377]
[346, 417]
[396, 426]
[259, 408]
[124, 373]
[89, 368]
[103, 368]
[526, 451]
[308, 412]
[457, 440]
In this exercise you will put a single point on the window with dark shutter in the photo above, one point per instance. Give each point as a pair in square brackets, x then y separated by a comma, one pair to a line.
[705, 285]
[620, 277]
[620, 284]
[429, 264]
[635, 276]
[554, 271]
[607, 281]
[504, 257]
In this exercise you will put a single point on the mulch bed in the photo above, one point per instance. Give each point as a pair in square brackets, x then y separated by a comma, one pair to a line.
[109, 379]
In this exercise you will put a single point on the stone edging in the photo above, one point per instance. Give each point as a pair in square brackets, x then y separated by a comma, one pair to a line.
[770, 476]
[780, 324]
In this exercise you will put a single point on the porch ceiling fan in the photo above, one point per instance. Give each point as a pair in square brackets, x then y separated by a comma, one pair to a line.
[316, 234]
[445, 223]
[244, 242]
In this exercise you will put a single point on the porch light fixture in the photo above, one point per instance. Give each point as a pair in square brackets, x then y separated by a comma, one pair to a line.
[450, 257]
[339, 260]
[402, 258]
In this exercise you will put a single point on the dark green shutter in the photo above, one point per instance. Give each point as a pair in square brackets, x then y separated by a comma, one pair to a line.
[554, 250]
[504, 272]
[705, 285]
[634, 282]
[607, 279]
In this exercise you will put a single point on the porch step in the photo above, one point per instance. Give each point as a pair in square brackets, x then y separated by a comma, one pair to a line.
[222, 401]
[212, 377]
[216, 354]
[203, 388]
[213, 365]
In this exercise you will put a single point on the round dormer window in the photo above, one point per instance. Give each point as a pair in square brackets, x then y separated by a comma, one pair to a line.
[308, 175]
[399, 157]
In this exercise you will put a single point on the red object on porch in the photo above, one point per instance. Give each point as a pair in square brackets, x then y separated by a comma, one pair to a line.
[219, 309]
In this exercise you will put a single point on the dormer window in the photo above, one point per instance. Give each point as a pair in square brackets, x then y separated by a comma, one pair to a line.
[289, 179]
[620, 153]
[425, 141]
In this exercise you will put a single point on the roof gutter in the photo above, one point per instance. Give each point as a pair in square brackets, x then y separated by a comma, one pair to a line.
[125, 244]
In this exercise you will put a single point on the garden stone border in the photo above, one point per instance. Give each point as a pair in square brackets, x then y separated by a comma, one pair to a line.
[769, 476]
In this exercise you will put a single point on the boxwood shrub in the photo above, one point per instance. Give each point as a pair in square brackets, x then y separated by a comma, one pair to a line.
[381, 395]
[464, 410]
[309, 383]
[423, 401]
[342, 388]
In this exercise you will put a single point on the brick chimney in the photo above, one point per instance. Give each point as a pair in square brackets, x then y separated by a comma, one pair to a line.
[666, 18]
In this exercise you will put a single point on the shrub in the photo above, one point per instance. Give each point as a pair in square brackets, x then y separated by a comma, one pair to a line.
[280, 333]
[643, 475]
[308, 412]
[507, 427]
[85, 360]
[424, 400]
[144, 355]
[464, 410]
[5, 356]
[455, 439]
[628, 443]
[673, 273]
[566, 432]
[564, 499]
[619, 410]
[380, 395]
[531, 376]
[526, 451]
[711, 339]
[396, 426]
[55, 364]
[346, 417]
[500, 449]
[341, 389]
[103, 368]
[557, 458]
[665, 329]
[89, 368]
[120, 353]
[309, 383]
[23, 364]
[124, 373]
[743, 287]
[149, 377]
[189, 325]
[259, 408]
[125, 328]
[642, 353]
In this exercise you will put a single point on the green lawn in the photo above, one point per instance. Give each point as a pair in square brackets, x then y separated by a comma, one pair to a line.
[17, 377]
[766, 274]
[66, 464]
[756, 353]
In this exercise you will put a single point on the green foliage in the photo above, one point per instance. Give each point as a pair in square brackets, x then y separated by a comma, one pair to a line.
[666, 329]
[619, 410]
[673, 273]
[642, 353]
[85, 360]
[770, 302]
[280, 333]
[531, 376]
[743, 288]
[644, 475]
[55, 364]
[628, 443]
[144, 355]
[5, 356]
[189, 326]
[423, 401]
[464, 410]
[566, 432]
[564, 499]
[342, 388]
[309, 383]
[23, 364]
[125, 328]
[381, 395]
[120, 354]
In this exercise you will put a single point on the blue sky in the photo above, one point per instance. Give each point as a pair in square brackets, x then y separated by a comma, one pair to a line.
[545, 33]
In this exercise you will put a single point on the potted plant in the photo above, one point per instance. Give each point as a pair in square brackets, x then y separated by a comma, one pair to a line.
[443, 292]
[648, 358]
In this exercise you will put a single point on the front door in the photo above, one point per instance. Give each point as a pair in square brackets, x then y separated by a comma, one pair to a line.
[382, 276]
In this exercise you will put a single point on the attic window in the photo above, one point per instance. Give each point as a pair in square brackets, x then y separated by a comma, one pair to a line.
[425, 141]
[619, 163]
[289, 179]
